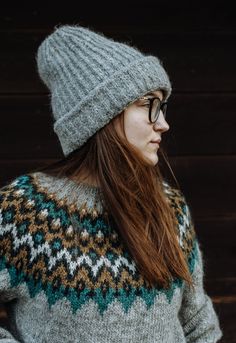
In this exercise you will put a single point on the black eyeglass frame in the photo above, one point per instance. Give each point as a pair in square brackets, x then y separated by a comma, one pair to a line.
[162, 106]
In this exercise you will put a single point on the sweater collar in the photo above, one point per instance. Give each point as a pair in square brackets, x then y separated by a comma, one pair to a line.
[80, 196]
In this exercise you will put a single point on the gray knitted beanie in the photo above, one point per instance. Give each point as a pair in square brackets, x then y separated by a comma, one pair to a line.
[91, 79]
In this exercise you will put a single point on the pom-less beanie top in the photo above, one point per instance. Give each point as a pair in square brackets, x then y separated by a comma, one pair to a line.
[91, 79]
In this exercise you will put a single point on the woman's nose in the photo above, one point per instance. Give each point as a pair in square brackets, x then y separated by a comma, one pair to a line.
[161, 123]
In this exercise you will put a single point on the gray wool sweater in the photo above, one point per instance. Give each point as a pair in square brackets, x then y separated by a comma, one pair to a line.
[66, 276]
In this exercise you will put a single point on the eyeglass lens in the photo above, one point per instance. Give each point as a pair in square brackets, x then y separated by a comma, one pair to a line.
[156, 107]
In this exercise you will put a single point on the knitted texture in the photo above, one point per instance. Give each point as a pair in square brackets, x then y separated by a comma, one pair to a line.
[59, 289]
[91, 79]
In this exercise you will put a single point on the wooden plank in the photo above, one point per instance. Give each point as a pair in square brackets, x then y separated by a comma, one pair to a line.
[27, 128]
[227, 315]
[9, 169]
[220, 288]
[175, 16]
[195, 62]
[200, 124]
[217, 237]
[208, 183]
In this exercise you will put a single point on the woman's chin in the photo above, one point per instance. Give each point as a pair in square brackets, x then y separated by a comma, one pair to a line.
[153, 159]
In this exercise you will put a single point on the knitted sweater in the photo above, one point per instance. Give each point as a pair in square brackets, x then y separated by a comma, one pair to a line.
[66, 276]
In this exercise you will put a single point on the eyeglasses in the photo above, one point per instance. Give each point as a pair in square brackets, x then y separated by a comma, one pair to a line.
[155, 105]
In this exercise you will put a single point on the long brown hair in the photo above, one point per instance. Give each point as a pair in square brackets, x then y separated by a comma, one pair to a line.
[134, 196]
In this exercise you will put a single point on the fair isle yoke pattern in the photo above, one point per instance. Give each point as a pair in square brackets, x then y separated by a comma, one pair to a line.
[38, 248]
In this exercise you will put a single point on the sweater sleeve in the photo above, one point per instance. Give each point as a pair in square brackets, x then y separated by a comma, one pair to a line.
[7, 292]
[197, 314]
[6, 295]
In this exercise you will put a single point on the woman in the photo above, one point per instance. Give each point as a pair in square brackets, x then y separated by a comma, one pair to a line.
[99, 247]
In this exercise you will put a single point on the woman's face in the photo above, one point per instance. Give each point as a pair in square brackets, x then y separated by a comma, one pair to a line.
[139, 131]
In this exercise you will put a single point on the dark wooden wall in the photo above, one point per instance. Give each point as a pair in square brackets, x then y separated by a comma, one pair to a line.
[196, 43]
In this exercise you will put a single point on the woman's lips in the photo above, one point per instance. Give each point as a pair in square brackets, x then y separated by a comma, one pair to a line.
[157, 141]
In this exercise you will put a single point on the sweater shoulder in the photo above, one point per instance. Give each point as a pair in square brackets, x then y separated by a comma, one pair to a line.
[13, 194]
[16, 201]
